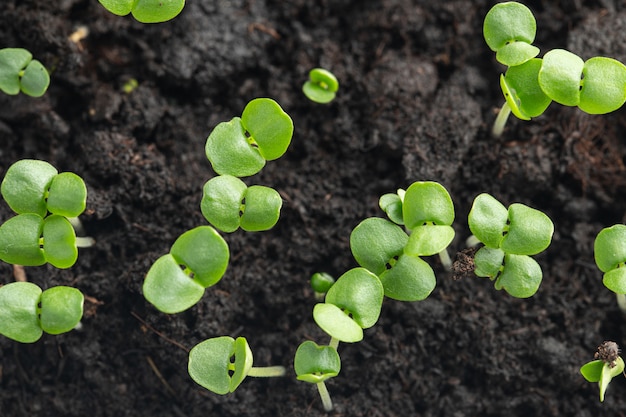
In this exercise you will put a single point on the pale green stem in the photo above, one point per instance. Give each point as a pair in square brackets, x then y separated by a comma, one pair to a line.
[267, 371]
[85, 242]
[503, 116]
[77, 225]
[325, 396]
[472, 241]
[334, 343]
[81, 241]
[621, 302]
[445, 260]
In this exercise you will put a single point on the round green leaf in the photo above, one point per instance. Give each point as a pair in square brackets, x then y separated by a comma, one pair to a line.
[156, 11]
[488, 262]
[20, 240]
[61, 309]
[336, 323]
[204, 253]
[429, 240]
[59, 242]
[520, 277]
[392, 205]
[209, 364]
[410, 279]
[315, 364]
[269, 127]
[360, 293]
[26, 184]
[560, 76]
[243, 362]
[375, 242]
[522, 91]
[427, 202]
[487, 220]
[507, 22]
[18, 309]
[615, 280]
[229, 151]
[321, 282]
[67, 195]
[12, 61]
[118, 7]
[516, 53]
[321, 87]
[530, 231]
[168, 288]
[261, 208]
[602, 86]
[222, 202]
[592, 371]
[35, 79]
[609, 248]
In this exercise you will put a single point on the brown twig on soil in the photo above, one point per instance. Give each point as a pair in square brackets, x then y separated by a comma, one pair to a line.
[19, 273]
[160, 376]
[265, 29]
[158, 333]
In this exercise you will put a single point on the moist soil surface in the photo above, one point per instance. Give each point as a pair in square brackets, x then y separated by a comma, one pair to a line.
[419, 92]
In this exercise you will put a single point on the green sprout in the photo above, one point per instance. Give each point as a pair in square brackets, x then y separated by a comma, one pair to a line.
[321, 86]
[27, 312]
[197, 260]
[509, 237]
[315, 364]
[242, 146]
[606, 365]
[20, 72]
[609, 251]
[145, 11]
[228, 203]
[222, 363]
[321, 282]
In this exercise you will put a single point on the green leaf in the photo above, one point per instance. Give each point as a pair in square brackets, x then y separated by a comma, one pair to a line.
[392, 205]
[516, 53]
[61, 309]
[18, 309]
[375, 242]
[488, 262]
[118, 7]
[209, 364]
[59, 242]
[321, 86]
[520, 277]
[615, 280]
[609, 248]
[156, 11]
[26, 184]
[269, 127]
[19, 240]
[560, 75]
[410, 279]
[222, 200]
[522, 92]
[243, 363]
[359, 293]
[204, 253]
[608, 373]
[168, 288]
[602, 86]
[507, 22]
[261, 209]
[35, 79]
[429, 240]
[592, 371]
[12, 61]
[321, 282]
[530, 231]
[315, 364]
[427, 202]
[336, 323]
[67, 195]
[229, 151]
[487, 220]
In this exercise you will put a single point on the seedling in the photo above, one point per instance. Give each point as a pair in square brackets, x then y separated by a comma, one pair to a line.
[607, 365]
[321, 282]
[510, 236]
[20, 72]
[228, 203]
[315, 364]
[610, 254]
[222, 363]
[242, 146]
[145, 11]
[321, 87]
[197, 260]
[27, 312]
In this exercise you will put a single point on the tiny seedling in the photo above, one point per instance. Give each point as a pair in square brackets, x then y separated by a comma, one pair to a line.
[197, 260]
[321, 282]
[606, 365]
[315, 364]
[27, 312]
[145, 11]
[509, 236]
[228, 203]
[20, 72]
[321, 87]
[222, 363]
[242, 146]
[609, 251]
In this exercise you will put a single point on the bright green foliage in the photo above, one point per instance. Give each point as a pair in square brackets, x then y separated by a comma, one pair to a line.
[315, 364]
[241, 147]
[509, 29]
[19, 72]
[522, 91]
[392, 205]
[197, 260]
[321, 282]
[145, 11]
[321, 86]
[59, 241]
[27, 312]
[602, 372]
[227, 203]
[559, 76]
[427, 203]
[520, 276]
[610, 255]
[603, 86]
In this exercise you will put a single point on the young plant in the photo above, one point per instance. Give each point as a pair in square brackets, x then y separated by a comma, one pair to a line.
[20, 72]
[606, 365]
[242, 146]
[27, 312]
[321, 282]
[315, 364]
[609, 251]
[321, 87]
[222, 363]
[197, 260]
[509, 237]
[228, 203]
[145, 11]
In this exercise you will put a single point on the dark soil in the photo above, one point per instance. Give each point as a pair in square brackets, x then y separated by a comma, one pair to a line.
[419, 91]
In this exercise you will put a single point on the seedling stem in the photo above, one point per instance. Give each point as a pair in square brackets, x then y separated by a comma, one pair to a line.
[334, 343]
[500, 122]
[327, 402]
[621, 302]
[267, 371]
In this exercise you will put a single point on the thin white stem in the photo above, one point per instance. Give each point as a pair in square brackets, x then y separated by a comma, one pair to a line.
[334, 343]
[267, 371]
[472, 241]
[445, 260]
[325, 396]
[77, 225]
[85, 242]
[621, 302]
[500, 122]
